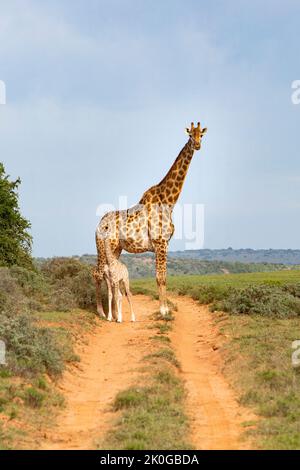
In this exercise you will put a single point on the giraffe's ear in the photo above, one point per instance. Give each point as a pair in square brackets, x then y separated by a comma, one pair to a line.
[204, 131]
[187, 131]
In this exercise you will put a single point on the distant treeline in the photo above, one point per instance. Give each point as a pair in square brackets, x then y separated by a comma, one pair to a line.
[143, 265]
[243, 255]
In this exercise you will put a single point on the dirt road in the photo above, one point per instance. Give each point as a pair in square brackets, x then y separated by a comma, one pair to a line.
[110, 362]
[214, 413]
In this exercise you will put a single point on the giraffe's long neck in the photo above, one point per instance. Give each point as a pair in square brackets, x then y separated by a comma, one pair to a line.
[170, 187]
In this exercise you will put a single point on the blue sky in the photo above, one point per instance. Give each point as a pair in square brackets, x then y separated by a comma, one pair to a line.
[98, 96]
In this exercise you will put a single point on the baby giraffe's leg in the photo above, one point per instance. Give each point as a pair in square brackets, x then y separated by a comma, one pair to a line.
[119, 320]
[110, 297]
[128, 295]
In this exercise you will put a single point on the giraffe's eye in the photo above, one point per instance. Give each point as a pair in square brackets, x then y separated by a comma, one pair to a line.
[106, 227]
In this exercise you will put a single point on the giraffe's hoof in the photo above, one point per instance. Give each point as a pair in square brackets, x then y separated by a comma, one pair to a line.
[164, 311]
[101, 313]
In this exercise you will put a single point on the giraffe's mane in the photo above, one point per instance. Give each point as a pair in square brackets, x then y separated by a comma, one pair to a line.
[170, 170]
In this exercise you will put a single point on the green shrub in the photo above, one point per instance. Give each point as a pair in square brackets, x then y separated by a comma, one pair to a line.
[4, 373]
[166, 354]
[207, 294]
[72, 283]
[22, 290]
[31, 282]
[83, 288]
[31, 350]
[36, 306]
[293, 289]
[130, 398]
[62, 299]
[61, 268]
[12, 300]
[41, 383]
[264, 300]
[15, 239]
[33, 397]
[167, 377]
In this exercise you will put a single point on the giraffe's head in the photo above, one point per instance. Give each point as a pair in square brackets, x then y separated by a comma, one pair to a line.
[196, 134]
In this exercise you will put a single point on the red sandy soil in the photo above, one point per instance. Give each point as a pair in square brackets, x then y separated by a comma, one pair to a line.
[111, 361]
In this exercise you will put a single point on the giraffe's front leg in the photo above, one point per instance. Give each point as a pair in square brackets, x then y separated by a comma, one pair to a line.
[115, 301]
[98, 275]
[110, 298]
[161, 274]
[131, 309]
[128, 295]
[119, 320]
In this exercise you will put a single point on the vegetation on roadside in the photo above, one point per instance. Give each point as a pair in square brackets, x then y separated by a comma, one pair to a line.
[275, 294]
[261, 321]
[33, 354]
[45, 304]
[70, 282]
[258, 364]
[42, 311]
[15, 239]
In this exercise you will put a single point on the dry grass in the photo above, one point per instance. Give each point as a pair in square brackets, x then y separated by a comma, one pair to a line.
[152, 411]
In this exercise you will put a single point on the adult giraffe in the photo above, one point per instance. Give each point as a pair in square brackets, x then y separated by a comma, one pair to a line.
[148, 225]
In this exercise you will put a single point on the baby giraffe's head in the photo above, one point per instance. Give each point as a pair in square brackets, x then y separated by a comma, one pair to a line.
[196, 134]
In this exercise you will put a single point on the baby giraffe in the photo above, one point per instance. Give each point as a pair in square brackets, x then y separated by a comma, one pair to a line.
[115, 273]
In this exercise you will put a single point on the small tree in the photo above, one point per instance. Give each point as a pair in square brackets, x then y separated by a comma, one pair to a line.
[15, 241]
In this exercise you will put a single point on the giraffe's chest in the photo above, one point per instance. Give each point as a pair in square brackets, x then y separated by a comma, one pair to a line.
[136, 246]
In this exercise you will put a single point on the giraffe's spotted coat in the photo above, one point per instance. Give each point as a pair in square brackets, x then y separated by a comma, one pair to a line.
[148, 225]
[116, 273]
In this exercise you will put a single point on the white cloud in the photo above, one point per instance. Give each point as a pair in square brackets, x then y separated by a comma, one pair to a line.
[94, 113]
[27, 27]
